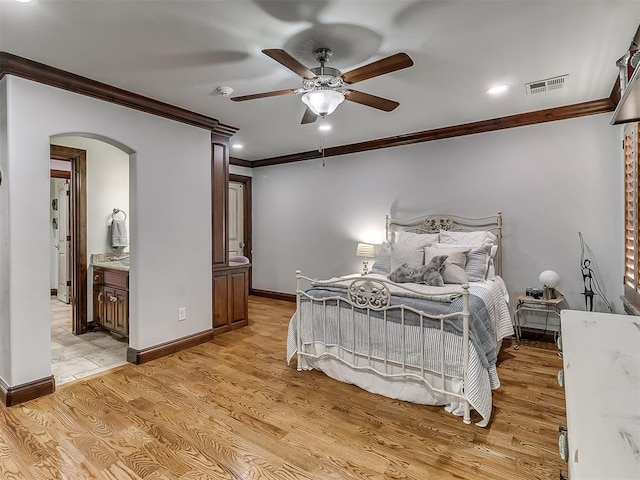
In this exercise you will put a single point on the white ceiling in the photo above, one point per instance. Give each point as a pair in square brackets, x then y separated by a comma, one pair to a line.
[180, 51]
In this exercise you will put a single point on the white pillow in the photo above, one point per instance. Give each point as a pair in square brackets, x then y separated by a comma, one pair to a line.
[470, 239]
[418, 239]
[453, 267]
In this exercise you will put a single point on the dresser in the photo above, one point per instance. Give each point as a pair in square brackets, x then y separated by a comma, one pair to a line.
[601, 357]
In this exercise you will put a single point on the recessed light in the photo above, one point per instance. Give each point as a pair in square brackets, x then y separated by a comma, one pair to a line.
[236, 146]
[498, 89]
[23, 1]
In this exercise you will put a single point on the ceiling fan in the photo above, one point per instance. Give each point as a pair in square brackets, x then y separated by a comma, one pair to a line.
[324, 88]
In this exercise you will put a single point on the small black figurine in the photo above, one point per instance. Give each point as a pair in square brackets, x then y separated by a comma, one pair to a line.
[587, 277]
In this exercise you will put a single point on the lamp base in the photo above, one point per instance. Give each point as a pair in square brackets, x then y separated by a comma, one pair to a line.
[549, 293]
[365, 268]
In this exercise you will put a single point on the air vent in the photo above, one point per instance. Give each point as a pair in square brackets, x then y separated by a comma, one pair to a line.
[541, 86]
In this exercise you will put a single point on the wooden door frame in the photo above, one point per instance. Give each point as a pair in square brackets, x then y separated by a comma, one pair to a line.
[78, 231]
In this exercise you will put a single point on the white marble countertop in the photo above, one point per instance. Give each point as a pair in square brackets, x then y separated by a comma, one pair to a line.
[602, 391]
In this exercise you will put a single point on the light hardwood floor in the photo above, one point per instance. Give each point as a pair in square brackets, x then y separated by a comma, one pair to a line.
[233, 409]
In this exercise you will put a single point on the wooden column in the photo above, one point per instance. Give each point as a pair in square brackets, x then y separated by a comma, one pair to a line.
[219, 199]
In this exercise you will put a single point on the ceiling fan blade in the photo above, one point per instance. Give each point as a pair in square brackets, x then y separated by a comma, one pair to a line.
[274, 93]
[288, 61]
[380, 67]
[309, 116]
[371, 100]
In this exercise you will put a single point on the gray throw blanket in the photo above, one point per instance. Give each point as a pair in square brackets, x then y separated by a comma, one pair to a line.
[481, 332]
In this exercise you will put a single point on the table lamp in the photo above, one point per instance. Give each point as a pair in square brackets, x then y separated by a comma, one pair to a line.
[550, 280]
[365, 250]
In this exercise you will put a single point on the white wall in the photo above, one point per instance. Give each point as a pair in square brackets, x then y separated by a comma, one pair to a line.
[247, 172]
[170, 220]
[550, 181]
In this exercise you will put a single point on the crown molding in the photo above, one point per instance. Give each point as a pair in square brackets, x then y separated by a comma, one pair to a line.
[520, 120]
[240, 162]
[38, 72]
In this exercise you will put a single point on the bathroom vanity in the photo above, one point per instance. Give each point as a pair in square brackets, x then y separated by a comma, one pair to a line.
[111, 296]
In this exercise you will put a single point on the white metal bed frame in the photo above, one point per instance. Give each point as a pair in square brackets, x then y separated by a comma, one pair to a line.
[368, 295]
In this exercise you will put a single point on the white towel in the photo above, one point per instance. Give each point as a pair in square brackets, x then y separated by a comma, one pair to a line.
[118, 234]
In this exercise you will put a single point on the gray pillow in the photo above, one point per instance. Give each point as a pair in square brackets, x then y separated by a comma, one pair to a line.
[427, 274]
[382, 264]
[478, 263]
[406, 253]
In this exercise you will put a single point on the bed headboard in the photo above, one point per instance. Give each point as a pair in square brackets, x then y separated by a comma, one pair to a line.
[434, 222]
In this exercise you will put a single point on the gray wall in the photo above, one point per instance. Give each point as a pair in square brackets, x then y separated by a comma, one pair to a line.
[550, 181]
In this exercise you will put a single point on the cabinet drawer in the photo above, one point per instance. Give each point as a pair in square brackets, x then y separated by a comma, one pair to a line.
[116, 279]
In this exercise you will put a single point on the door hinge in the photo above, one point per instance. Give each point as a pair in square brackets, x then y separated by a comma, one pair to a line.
[68, 283]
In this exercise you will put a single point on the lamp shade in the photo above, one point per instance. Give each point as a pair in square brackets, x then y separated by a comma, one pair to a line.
[549, 278]
[365, 250]
[323, 101]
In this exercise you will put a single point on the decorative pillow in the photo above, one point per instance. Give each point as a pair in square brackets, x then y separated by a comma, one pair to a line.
[470, 239]
[407, 253]
[478, 263]
[453, 267]
[382, 264]
[428, 274]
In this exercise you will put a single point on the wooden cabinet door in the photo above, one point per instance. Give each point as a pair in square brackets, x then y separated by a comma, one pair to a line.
[121, 320]
[109, 312]
[98, 304]
[220, 301]
[238, 297]
[116, 310]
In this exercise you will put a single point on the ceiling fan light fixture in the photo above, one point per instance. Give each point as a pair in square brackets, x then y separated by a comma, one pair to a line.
[323, 102]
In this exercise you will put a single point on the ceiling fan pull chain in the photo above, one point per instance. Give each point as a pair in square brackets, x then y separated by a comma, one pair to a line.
[321, 149]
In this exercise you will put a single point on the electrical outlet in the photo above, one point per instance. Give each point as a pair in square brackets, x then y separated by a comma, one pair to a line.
[182, 313]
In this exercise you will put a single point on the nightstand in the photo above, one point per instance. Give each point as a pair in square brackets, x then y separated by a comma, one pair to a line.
[526, 303]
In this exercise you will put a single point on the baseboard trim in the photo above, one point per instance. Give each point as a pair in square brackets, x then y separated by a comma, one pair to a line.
[11, 396]
[151, 353]
[287, 297]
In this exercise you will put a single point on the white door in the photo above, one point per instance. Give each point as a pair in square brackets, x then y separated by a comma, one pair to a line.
[63, 242]
[236, 219]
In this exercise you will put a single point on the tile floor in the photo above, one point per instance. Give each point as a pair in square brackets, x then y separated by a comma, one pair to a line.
[77, 356]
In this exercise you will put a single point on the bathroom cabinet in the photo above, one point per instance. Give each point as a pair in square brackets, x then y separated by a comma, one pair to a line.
[111, 300]
[230, 298]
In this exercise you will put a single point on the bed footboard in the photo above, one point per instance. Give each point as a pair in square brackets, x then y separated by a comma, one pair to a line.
[363, 323]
